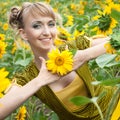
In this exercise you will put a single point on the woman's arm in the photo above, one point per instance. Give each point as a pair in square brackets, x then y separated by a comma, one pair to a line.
[18, 95]
[95, 51]
[95, 40]
[85, 55]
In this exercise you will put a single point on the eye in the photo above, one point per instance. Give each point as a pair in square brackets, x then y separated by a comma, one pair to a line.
[36, 26]
[51, 24]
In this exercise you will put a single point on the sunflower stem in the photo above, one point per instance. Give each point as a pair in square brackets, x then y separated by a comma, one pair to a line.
[99, 110]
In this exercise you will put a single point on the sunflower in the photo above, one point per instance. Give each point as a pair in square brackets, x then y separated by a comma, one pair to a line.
[14, 48]
[4, 81]
[70, 20]
[21, 114]
[60, 62]
[5, 26]
[117, 58]
[110, 5]
[64, 34]
[2, 48]
[2, 37]
[105, 23]
[109, 48]
[73, 6]
[59, 42]
[77, 33]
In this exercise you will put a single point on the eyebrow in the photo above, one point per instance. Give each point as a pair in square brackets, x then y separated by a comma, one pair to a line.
[41, 21]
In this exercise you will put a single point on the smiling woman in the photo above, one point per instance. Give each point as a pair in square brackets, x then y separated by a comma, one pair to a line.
[36, 23]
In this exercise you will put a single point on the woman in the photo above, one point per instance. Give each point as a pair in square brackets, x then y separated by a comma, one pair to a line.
[36, 23]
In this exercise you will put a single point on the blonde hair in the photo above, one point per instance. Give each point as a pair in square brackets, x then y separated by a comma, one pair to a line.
[34, 9]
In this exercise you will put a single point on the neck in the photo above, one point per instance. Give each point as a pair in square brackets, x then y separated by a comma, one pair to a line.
[37, 60]
[41, 53]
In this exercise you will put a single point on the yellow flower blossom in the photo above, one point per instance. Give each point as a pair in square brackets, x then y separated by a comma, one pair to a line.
[111, 5]
[64, 34]
[70, 20]
[107, 9]
[106, 23]
[95, 17]
[14, 48]
[2, 37]
[108, 1]
[55, 9]
[58, 42]
[48, 1]
[73, 6]
[117, 58]
[78, 33]
[109, 48]
[5, 26]
[83, 3]
[116, 7]
[4, 81]
[60, 62]
[21, 114]
[2, 48]
[81, 11]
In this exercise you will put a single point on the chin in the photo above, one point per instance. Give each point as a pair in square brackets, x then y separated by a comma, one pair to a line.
[47, 48]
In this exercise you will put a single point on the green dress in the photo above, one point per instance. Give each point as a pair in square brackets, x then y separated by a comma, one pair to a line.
[47, 96]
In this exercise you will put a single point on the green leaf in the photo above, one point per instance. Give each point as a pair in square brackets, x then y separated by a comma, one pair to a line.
[118, 52]
[115, 14]
[80, 100]
[103, 60]
[102, 74]
[23, 62]
[42, 116]
[113, 63]
[54, 116]
[73, 51]
[115, 41]
[111, 82]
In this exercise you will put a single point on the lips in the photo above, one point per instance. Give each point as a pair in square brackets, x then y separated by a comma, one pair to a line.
[45, 39]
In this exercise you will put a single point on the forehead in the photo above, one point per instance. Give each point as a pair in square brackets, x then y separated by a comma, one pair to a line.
[36, 10]
[29, 19]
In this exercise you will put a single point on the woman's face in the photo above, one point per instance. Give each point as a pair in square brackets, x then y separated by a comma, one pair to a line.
[40, 31]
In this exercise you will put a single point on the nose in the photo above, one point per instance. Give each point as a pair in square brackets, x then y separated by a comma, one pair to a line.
[46, 31]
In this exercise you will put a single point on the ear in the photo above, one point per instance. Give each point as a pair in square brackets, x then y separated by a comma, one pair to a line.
[23, 34]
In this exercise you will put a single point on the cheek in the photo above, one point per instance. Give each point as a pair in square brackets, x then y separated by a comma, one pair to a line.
[32, 34]
[54, 33]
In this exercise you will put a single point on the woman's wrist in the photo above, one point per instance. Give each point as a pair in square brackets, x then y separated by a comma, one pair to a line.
[95, 51]
[38, 82]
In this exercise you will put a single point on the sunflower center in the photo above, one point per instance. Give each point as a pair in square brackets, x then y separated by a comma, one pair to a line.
[104, 22]
[59, 60]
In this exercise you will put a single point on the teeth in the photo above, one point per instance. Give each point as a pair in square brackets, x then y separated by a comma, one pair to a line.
[45, 39]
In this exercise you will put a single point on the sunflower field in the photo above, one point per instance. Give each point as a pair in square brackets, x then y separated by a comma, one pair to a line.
[78, 17]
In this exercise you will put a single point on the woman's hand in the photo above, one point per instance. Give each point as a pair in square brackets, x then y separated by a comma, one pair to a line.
[46, 76]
